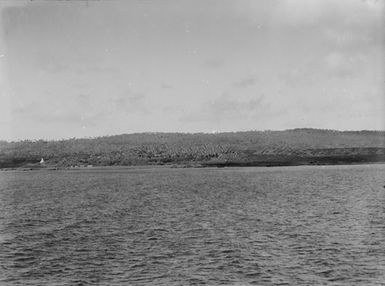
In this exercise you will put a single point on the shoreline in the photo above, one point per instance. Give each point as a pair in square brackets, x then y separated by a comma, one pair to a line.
[240, 149]
[188, 166]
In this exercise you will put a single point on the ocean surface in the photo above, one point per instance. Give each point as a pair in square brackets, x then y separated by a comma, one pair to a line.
[309, 225]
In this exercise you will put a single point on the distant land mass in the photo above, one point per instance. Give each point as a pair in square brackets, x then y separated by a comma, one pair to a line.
[251, 148]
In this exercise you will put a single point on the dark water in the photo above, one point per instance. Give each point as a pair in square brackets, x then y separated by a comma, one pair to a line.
[159, 226]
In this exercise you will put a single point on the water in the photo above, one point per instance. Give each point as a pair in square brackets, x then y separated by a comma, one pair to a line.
[160, 226]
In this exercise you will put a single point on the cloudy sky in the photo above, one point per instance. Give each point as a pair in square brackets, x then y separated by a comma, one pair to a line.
[91, 68]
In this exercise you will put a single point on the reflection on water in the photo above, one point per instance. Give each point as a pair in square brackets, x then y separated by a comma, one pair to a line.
[159, 226]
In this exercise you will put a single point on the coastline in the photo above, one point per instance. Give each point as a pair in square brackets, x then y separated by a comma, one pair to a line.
[177, 150]
[192, 166]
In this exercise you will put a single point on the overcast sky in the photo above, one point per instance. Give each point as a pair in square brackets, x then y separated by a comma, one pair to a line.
[79, 69]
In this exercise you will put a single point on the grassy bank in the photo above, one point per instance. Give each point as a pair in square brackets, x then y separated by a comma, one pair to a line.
[253, 148]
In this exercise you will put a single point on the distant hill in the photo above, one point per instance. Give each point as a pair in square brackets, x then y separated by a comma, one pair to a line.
[251, 148]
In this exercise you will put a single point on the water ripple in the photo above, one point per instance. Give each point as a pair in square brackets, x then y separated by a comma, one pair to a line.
[159, 226]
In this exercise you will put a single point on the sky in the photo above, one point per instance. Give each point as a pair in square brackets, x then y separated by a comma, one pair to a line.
[94, 68]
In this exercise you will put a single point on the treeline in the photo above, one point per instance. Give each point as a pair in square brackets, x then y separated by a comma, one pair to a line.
[290, 147]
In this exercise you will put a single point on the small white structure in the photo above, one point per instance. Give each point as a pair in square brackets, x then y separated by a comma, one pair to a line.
[42, 161]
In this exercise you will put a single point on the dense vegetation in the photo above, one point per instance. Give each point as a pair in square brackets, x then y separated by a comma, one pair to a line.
[290, 147]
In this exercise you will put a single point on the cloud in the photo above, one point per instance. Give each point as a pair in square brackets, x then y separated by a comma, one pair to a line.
[254, 12]
[297, 77]
[214, 63]
[330, 12]
[166, 86]
[226, 107]
[335, 64]
[101, 69]
[246, 82]
[130, 102]
[6, 4]
[53, 64]
[38, 111]
[80, 110]
[340, 65]
[349, 25]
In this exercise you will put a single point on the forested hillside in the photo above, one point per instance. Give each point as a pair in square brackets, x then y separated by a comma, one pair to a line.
[265, 148]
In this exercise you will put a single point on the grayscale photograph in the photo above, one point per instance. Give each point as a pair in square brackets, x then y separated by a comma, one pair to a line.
[192, 142]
